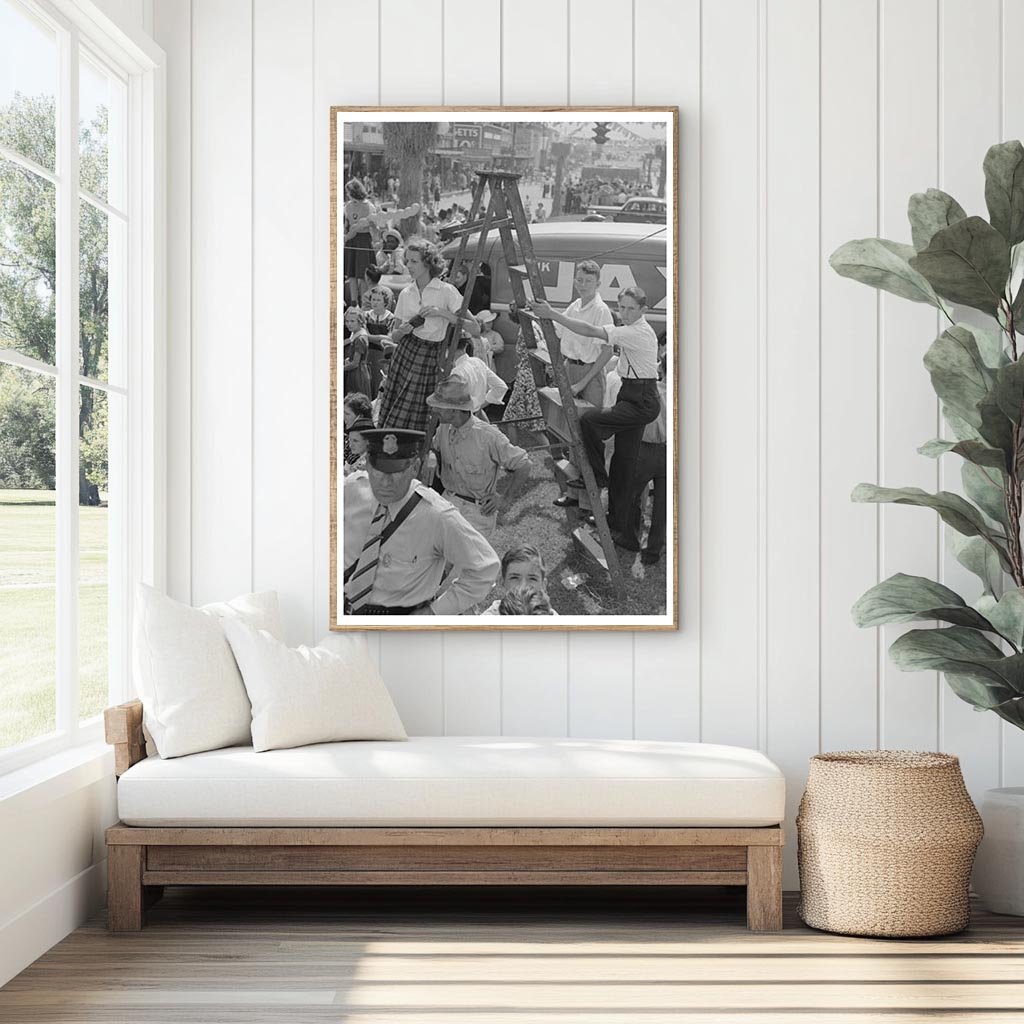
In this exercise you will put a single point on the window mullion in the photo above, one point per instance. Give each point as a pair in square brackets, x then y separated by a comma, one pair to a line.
[67, 386]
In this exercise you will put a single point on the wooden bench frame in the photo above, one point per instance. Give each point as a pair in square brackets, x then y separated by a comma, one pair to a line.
[142, 860]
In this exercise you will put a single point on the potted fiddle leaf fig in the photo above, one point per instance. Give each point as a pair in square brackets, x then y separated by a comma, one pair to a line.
[956, 260]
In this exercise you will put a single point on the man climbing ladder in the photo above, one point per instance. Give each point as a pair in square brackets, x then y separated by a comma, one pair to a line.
[506, 214]
[637, 404]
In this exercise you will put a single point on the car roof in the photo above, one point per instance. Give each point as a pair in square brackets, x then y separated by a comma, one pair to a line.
[586, 236]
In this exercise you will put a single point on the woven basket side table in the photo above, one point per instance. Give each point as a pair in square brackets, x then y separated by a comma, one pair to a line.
[885, 843]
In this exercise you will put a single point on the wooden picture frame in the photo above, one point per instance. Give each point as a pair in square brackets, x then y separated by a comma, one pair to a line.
[581, 590]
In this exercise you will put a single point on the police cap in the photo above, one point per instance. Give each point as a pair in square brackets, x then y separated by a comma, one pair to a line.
[390, 449]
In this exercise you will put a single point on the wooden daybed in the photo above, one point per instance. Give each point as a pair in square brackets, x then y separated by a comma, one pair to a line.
[144, 858]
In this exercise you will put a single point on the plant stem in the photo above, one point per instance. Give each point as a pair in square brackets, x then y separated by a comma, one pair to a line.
[1012, 496]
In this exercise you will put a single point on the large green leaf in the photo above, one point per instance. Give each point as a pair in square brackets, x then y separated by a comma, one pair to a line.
[963, 651]
[976, 555]
[990, 345]
[1009, 390]
[932, 211]
[973, 451]
[958, 371]
[903, 598]
[962, 430]
[967, 263]
[986, 488]
[1006, 614]
[984, 695]
[996, 427]
[1004, 189]
[954, 510]
[883, 264]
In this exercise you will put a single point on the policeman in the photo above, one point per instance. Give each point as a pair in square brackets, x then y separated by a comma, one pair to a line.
[400, 535]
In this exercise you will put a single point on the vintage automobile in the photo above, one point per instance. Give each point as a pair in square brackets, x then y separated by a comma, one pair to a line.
[628, 254]
[637, 210]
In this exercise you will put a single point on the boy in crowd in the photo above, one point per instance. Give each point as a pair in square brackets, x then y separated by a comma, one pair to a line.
[521, 567]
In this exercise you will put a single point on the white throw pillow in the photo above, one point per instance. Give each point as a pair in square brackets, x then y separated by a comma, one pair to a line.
[192, 693]
[309, 694]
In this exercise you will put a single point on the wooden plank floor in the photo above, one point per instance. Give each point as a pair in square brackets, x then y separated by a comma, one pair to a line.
[219, 956]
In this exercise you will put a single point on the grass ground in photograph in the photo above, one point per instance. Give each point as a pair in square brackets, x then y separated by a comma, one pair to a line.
[28, 616]
[533, 519]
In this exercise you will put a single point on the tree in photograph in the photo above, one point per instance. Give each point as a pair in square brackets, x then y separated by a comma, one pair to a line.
[406, 147]
[28, 261]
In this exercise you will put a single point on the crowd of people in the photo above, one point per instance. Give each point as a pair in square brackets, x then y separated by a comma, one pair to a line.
[420, 520]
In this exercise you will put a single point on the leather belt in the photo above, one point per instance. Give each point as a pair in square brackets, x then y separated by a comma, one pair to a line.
[383, 609]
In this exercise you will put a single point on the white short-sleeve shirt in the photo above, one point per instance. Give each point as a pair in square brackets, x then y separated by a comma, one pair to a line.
[637, 345]
[579, 346]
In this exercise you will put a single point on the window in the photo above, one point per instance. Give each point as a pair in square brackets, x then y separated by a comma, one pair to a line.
[76, 385]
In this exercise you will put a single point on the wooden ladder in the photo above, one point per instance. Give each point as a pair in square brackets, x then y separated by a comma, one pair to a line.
[505, 213]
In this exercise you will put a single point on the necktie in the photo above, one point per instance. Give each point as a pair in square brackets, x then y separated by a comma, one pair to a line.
[360, 583]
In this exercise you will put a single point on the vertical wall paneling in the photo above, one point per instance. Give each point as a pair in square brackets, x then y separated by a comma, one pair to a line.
[411, 27]
[666, 666]
[968, 125]
[472, 684]
[173, 29]
[535, 681]
[792, 415]
[796, 136]
[601, 668]
[412, 665]
[283, 308]
[909, 415]
[221, 371]
[729, 387]
[534, 39]
[472, 52]
[414, 671]
[849, 372]
[352, 81]
[1012, 127]
[601, 685]
[472, 75]
[534, 697]
[600, 52]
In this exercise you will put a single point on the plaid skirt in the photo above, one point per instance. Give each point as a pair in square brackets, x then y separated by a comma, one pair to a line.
[412, 376]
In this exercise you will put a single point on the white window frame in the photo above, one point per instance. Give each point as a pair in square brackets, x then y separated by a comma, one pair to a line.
[141, 64]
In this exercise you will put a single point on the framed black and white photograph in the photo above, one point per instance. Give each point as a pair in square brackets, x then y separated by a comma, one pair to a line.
[504, 353]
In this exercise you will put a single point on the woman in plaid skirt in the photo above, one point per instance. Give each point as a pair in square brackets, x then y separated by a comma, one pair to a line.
[423, 312]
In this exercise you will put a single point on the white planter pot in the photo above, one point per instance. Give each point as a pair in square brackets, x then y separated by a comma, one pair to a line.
[998, 877]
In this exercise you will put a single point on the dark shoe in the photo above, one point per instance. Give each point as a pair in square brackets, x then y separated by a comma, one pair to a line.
[650, 558]
[624, 542]
[566, 502]
[589, 519]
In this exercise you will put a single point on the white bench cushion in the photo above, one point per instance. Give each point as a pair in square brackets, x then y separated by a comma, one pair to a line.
[459, 780]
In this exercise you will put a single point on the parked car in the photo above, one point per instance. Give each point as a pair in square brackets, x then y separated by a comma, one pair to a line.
[628, 254]
[637, 210]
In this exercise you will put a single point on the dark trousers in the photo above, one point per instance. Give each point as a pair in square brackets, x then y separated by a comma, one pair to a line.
[637, 405]
[651, 466]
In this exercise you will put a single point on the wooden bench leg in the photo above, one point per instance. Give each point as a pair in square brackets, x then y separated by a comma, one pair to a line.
[764, 888]
[125, 897]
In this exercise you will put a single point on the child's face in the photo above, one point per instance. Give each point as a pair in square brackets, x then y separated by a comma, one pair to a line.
[356, 444]
[521, 574]
[352, 319]
[349, 416]
[377, 302]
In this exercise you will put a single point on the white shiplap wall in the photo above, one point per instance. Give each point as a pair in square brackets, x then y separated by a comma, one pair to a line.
[804, 123]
